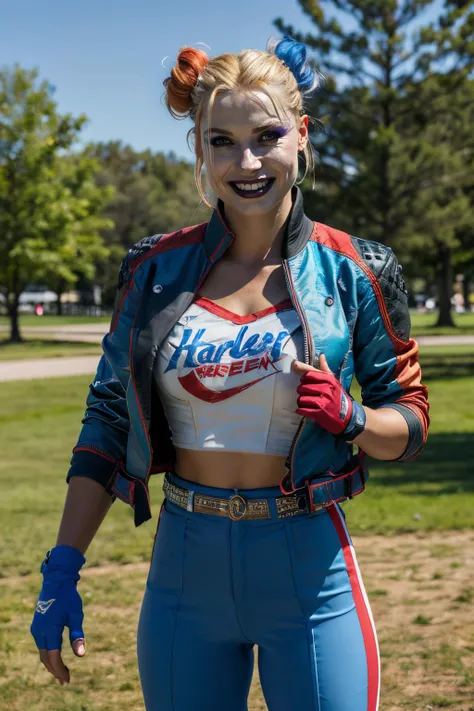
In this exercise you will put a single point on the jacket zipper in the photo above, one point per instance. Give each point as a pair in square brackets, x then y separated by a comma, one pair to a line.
[308, 351]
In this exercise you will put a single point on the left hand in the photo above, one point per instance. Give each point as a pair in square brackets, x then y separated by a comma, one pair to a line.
[324, 401]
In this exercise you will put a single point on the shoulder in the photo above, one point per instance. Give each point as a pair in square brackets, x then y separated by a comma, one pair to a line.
[142, 251]
[378, 261]
[388, 285]
[382, 262]
[134, 268]
[381, 275]
[374, 255]
[136, 251]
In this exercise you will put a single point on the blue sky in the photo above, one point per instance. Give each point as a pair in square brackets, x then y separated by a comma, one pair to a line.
[105, 57]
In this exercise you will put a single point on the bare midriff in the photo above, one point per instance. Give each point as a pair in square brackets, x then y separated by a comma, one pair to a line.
[230, 470]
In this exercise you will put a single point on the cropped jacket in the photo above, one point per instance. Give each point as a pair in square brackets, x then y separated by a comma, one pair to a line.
[351, 298]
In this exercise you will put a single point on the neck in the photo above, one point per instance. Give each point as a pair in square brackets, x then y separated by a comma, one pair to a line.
[258, 238]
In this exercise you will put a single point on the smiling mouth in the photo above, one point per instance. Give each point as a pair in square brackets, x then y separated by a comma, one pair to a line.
[253, 189]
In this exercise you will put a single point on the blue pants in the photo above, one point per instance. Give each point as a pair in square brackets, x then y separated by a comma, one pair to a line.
[218, 587]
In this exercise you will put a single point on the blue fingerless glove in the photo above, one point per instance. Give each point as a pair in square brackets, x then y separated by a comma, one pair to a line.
[59, 604]
[356, 424]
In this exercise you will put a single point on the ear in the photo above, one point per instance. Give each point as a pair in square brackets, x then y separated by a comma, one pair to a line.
[303, 135]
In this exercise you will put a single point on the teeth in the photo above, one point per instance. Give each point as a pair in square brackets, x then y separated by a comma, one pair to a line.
[252, 186]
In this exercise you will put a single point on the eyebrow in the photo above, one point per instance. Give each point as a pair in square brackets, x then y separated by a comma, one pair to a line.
[255, 130]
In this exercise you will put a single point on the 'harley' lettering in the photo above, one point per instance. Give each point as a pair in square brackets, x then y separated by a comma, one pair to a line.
[199, 352]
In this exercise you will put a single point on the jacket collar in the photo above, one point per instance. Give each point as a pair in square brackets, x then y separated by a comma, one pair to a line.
[298, 229]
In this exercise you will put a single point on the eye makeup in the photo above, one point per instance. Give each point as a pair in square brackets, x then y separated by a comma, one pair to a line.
[279, 131]
[259, 129]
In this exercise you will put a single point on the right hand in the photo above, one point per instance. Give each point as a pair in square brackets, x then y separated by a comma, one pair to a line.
[59, 605]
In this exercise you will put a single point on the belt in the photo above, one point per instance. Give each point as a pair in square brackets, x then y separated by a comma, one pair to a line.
[237, 507]
[314, 496]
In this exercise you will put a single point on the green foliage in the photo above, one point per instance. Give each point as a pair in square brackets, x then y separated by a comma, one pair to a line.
[396, 155]
[153, 193]
[50, 205]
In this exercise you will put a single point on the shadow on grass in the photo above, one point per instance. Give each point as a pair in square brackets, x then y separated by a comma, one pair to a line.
[446, 466]
[446, 367]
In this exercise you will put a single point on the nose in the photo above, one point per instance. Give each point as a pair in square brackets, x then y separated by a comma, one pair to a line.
[249, 161]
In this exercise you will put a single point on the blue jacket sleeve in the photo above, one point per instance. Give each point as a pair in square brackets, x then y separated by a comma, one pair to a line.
[102, 443]
[103, 439]
[385, 357]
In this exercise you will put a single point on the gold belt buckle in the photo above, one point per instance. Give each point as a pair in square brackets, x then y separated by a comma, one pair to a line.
[237, 507]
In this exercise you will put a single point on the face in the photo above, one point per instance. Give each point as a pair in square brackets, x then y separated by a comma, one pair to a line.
[252, 160]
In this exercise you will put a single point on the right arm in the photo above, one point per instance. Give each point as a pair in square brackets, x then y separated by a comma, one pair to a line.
[102, 445]
[87, 504]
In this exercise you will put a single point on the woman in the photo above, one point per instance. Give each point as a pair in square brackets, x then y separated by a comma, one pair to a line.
[228, 366]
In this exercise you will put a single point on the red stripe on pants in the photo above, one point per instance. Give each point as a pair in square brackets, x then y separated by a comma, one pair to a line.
[363, 610]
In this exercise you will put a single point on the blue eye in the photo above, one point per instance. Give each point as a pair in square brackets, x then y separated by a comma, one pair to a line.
[219, 138]
[274, 136]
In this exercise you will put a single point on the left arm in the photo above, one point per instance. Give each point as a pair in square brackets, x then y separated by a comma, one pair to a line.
[387, 368]
[392, 422]
[386, 434]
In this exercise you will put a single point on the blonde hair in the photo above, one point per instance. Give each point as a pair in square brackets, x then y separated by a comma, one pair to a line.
[196, 79]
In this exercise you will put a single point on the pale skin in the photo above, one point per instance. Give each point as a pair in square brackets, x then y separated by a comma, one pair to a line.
[249, 277]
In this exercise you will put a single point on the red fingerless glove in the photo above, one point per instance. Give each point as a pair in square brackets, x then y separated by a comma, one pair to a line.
[324, 401]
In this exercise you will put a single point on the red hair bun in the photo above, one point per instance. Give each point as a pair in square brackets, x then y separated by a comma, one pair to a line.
[184, 75]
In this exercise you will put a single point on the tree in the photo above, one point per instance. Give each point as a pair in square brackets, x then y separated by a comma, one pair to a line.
[379, 169]
[49, 203]
[442, 213]
[453, 42]
[81, 249]
[154, 193]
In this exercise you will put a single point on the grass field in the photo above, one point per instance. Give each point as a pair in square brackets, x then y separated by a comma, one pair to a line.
[36, 348]
[412, 528]
[424, 324]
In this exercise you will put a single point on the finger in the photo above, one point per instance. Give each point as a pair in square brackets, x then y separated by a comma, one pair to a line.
[311, 391]
[78, 647]
[305, 412]
[313, 402]
[43, 653]
[315, 376]
[76, 634]
[308, 388]
[323, 364]
[60, 670]
[300, 367]
[54, 643]
[54, 637]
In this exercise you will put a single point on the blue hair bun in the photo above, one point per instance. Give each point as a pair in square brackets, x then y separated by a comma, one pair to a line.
[293, 54]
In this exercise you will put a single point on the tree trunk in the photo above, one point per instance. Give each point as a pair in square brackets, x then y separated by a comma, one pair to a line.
[61, 287]
[15, 336]
[466, 291]
[59, 304]
[445, 286]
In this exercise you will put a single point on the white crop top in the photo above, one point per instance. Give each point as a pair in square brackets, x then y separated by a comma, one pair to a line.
[225, 381]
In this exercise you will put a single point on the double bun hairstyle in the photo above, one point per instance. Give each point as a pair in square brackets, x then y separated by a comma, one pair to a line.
[281, 72]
